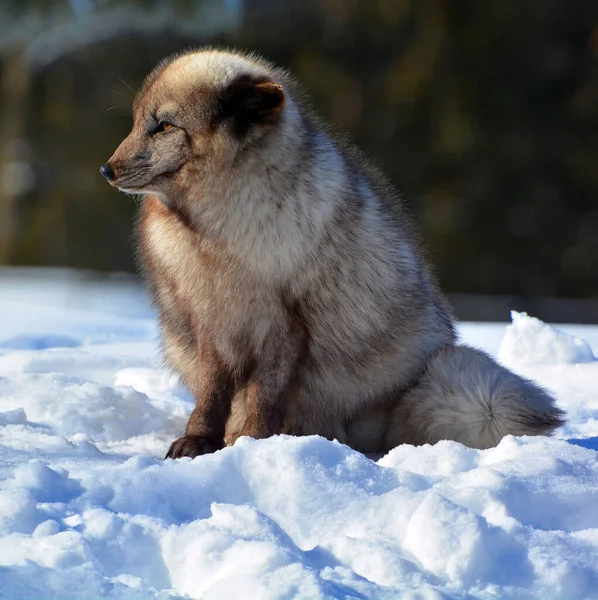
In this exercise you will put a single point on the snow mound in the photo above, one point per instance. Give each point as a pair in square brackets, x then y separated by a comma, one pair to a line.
[308, 518]
[531, 341]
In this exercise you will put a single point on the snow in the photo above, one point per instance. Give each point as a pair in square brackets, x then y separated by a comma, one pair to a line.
[529, 341]
[88, 508]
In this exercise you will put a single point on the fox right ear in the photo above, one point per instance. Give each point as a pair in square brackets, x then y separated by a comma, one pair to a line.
[249, 101]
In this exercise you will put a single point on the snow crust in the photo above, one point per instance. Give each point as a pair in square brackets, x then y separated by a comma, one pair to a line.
[88, 508]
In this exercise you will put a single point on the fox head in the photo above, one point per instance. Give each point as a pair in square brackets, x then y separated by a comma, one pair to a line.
[194, 116]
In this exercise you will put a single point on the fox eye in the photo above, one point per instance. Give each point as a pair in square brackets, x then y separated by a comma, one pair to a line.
[163, 126]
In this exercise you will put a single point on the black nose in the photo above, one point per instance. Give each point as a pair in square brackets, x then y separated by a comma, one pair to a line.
[107, 172]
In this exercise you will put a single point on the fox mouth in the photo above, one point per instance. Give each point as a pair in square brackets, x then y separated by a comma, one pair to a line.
[133, 179]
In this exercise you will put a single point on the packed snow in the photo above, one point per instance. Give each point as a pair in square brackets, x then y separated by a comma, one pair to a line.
[90, 510]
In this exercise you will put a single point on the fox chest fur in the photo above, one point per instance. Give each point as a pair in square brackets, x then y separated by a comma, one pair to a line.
[206, 296]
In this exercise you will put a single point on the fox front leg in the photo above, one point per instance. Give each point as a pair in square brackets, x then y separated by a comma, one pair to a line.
[271, 385]
[213, 389]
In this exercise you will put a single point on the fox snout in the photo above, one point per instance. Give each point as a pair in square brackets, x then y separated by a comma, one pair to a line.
[118, 172]
[130, 167]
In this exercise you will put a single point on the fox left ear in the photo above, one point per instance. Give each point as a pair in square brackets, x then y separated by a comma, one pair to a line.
[249, 101]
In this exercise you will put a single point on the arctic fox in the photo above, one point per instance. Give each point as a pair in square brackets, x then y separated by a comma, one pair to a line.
[292, 294]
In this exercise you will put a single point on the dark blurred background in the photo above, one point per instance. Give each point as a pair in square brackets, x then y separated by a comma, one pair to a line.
[484, 114]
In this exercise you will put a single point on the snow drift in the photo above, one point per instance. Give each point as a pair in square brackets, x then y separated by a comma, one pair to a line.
[88, 508]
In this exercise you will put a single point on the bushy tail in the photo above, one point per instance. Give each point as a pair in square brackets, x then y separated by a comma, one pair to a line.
[466, 396]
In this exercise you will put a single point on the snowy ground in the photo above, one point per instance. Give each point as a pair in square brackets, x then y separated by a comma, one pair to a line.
[88, 508]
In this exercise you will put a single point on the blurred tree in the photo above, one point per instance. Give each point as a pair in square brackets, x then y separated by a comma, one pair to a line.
[13, 171]
[485, 114]
[40, 35]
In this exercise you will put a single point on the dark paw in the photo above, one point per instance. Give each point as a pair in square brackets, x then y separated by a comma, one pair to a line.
[193, 445]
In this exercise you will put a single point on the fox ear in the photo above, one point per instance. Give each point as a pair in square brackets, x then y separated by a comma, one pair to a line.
[248, 101]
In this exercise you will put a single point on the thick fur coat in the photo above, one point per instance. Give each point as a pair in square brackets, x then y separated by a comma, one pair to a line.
[292, 294]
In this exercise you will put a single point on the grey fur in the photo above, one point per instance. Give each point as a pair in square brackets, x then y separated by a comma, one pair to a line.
[292, 293]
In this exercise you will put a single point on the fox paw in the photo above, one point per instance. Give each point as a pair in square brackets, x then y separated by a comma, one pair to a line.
[193, 445]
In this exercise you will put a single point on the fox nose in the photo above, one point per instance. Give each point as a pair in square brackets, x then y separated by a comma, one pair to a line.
[107, 172]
